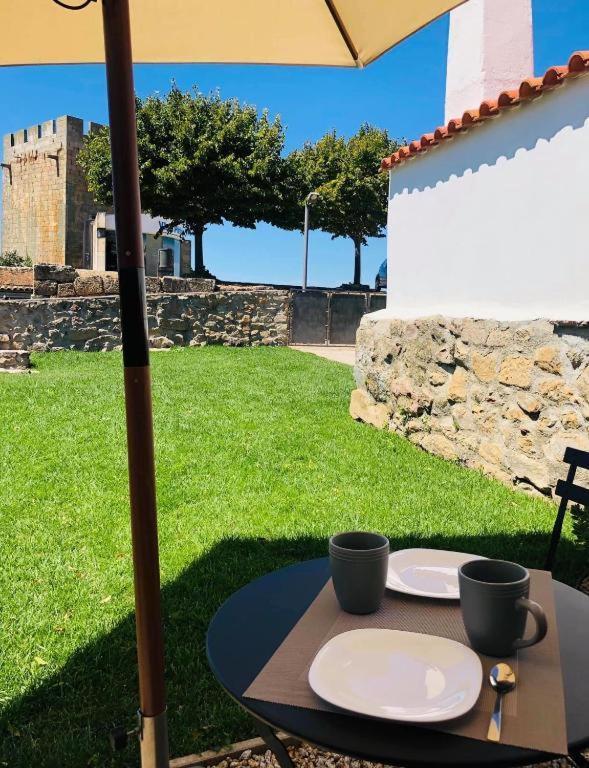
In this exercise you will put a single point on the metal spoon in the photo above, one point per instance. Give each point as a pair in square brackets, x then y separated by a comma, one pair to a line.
[502, 679]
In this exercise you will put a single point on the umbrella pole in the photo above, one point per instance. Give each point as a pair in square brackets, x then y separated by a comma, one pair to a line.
[123, 136]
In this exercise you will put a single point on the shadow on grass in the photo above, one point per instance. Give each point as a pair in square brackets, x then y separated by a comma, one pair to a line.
[65, 721]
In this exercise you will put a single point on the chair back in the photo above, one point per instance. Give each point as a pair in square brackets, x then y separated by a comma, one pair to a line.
[568, 490]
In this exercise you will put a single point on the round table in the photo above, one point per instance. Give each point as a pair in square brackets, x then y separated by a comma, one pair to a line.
[252, 623]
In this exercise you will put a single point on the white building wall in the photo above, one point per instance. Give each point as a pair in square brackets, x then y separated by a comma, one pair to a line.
[490, 49]
[495, 223]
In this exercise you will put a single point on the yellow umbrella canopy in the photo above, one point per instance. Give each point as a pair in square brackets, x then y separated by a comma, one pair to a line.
[346, 33]
[343, 33]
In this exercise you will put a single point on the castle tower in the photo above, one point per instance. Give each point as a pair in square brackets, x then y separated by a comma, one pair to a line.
[46, 204]
[490, 49]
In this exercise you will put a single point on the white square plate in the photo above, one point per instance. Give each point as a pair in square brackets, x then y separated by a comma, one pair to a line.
[427, 572]
[397, 675]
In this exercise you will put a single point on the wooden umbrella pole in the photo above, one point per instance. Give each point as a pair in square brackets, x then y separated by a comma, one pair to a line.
[127, 204]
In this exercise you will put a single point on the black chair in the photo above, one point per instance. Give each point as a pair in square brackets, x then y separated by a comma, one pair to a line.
[568, 491]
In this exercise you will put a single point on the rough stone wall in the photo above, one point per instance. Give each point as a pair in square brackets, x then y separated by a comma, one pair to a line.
[16, 279]
[44, 196]
[504, 398]
[64, 281]
[229, 318]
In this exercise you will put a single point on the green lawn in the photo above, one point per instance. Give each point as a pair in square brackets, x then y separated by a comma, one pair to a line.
[258, 462]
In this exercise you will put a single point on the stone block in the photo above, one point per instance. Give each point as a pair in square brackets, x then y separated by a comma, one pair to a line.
[445, 354]
[59, 273]
[438, 377]
[153, 284]
[570, 420]
[462, 353]
[492, 453]
[458, 386]
[200, 284]
[82, 333]
[530, 472]
[110, 281]
[66, 290]
[530, 404]
[160, 342]
[45, 288]
[364, 408]
[14, 360]
[174, 284]
[440, 445]
[484, 366]
[514, 413]
[89, 285]
[476, 331]
[500, 337]
[516, 371]
[558, 391]
[548, 359]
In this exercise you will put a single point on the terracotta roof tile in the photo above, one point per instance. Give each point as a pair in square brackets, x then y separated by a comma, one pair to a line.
[529, 89]
[508, 99]
[579, 62]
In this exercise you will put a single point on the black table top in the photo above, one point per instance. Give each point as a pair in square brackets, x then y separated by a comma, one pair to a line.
[252, 623]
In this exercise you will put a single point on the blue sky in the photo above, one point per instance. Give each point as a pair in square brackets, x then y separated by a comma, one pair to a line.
[403, 92]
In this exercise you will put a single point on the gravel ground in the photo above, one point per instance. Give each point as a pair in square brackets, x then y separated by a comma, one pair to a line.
[306, 756]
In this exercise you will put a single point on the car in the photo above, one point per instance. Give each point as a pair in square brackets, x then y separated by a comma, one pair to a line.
[380, 281]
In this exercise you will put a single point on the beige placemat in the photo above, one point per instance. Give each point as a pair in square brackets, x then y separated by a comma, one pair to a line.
[533, 714]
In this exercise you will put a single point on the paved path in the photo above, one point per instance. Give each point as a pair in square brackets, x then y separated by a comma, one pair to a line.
[339, 354]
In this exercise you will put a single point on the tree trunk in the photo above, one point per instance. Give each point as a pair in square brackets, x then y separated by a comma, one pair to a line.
[199, 264]
[357, 261]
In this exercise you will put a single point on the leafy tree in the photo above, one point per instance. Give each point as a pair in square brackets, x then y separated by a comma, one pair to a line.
[202, 160]
[352, 192]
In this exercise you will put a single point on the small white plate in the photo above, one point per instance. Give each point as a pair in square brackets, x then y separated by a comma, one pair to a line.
[427, 572]
[397, 675]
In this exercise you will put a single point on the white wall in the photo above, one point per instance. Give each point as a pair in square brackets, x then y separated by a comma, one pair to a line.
[490, 49]
[495, 223]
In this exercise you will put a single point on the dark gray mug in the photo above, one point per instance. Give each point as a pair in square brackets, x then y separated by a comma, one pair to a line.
[495, 605]
[359, 562]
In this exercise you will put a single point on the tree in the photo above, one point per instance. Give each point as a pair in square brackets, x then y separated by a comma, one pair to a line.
[352, 192]
[202, 160]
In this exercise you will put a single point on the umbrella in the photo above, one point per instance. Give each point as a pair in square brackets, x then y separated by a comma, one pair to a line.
[347, 33]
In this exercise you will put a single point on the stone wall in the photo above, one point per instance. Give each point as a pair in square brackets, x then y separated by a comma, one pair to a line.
[14, 360]
[16, 279]
[65, 282]
[229, 318]
[504, 398]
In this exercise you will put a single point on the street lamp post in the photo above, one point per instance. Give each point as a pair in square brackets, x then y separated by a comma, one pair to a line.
[310, 200]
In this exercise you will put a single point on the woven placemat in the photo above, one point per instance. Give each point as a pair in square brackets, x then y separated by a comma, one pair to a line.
[533, 714]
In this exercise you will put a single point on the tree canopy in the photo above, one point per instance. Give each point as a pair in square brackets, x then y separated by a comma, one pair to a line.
[202, 160]
[352, 199]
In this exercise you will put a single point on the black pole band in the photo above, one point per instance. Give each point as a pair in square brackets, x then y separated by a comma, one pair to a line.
[133, 317]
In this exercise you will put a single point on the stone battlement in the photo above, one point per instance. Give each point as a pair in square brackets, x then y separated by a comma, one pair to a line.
[45, 200]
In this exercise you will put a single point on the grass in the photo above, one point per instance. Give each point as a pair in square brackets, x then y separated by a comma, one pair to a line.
[258, 462]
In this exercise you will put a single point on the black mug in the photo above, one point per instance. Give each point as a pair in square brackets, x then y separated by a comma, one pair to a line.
[494, 597]
[359, 563]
